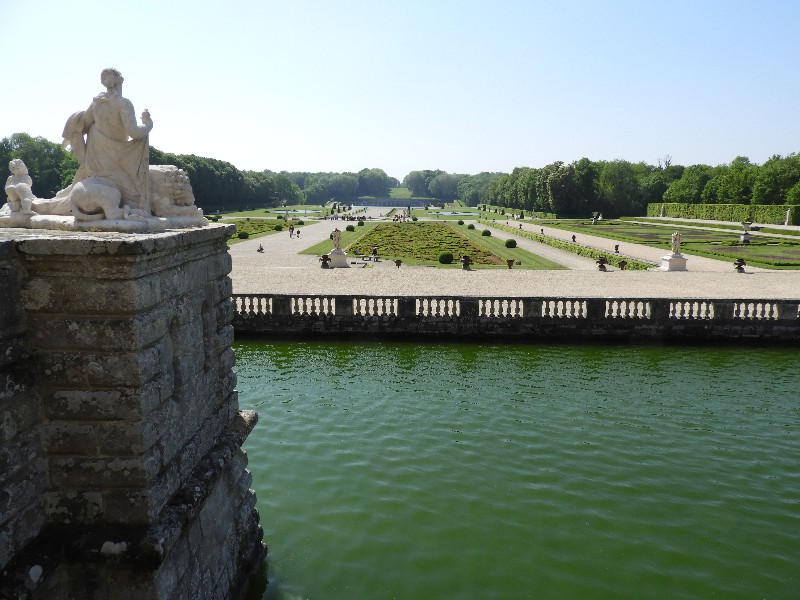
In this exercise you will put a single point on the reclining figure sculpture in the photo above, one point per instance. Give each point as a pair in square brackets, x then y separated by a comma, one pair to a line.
[115, 188]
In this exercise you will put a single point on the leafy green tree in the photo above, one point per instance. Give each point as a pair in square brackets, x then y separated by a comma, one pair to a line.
[562, 191]
[730, 184]
[775, 179]
[444, 186]
[373, 182]
[620, 189]
[587, 185]
[287, 191]
[416, 184]
[344, 186]
[499, 192]
[689, 188]
[473, 189]
[259, 189]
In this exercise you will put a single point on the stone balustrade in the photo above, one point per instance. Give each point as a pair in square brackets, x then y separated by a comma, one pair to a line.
[521, 318]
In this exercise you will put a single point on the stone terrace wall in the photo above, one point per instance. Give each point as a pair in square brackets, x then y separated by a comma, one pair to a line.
[22, 476]
[133, 428]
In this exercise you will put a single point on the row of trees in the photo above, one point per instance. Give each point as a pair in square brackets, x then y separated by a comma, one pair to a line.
[319, 188]
[617, 187]
[777, 181]
[217, 184]
[612, 187]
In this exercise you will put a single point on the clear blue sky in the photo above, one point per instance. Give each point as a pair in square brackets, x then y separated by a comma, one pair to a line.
[463, 86]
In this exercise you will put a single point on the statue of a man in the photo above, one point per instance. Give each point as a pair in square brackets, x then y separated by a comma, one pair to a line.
[115, 150]
[336, 236]
[676, 243]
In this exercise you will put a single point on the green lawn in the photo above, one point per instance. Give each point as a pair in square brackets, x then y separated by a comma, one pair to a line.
[403, 193]
[421, 243]
[496, 244]
[439, 213]
[348, 237]
[770, 253]
[309, 211]
[255, 227]
[726, 226]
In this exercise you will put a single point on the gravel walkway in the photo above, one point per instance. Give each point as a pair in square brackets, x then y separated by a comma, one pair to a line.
[281, 270]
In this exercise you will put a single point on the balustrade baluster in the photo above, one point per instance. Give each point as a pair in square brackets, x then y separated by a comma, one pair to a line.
[259, 307]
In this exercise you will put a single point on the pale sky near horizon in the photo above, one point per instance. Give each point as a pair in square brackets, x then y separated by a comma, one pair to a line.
[462, 86]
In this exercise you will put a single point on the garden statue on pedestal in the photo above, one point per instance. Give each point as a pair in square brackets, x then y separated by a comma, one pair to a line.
[338, 257]
[114, 188]
[674, 261]
[676, 243]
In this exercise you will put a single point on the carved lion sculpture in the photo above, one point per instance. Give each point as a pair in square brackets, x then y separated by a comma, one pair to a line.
[171, 193]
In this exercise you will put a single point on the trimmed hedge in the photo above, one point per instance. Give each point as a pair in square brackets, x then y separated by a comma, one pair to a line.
[350, 228]
[446, 258]
[757, 213]
[486, 233]
[243, 235]
[511, 243]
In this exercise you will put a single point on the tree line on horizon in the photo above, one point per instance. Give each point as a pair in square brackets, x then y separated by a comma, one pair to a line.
[579, 188]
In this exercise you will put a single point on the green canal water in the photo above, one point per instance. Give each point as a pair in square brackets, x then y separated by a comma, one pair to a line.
[466, 471]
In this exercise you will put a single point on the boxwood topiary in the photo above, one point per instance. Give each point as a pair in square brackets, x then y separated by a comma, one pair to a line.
[511, 243]
[486, 232]
[243, 235]
[361, 223]
[471, 226]
[278, 228]
[446, 258]
[460, 222]
[350, 228]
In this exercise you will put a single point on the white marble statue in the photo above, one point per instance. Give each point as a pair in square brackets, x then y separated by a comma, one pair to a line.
[18, 188]
[676, 243]
[115, 149]
[336, 236]
[171, 193]
[114, 189]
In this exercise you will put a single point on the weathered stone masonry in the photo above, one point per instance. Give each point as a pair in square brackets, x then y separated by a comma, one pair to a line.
[121, 469]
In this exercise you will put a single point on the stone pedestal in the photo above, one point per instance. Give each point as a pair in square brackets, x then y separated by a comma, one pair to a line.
[673, 262]
[338, 259]
[122, 385]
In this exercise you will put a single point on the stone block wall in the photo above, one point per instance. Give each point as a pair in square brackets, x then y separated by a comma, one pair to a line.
[22, 473]
[125, 365]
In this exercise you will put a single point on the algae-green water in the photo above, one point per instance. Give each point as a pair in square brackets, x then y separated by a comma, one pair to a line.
[490, 471]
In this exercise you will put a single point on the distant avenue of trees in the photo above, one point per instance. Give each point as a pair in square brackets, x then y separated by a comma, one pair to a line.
[579, 188]
[617, 187]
